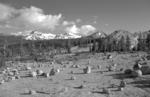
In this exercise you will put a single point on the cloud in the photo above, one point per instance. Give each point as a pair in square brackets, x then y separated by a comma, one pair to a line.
[37, 18]
[67, 23]
[87, 29]
[73, 29]
[6, 12]
[84, 30]
[78, 20]
[32, 17]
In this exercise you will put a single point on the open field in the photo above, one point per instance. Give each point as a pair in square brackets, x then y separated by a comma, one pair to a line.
[71, 81]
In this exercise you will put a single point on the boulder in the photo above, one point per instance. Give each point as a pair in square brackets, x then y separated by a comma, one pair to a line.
[33, 74]
[128, 71]
[52, 72]
[87, 70]
[32, 92]
[137, 73]
[39, 72]
[145, 69]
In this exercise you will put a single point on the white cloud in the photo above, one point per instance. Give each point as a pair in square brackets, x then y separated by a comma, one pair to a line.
[6, 12]
[67, 23]
[78, 20]
[32, 17]
[87, 29]
[84, 30]
[37, 18]
[73, 29]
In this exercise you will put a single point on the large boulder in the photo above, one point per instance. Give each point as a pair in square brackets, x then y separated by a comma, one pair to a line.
[145, 69]
[136, 73]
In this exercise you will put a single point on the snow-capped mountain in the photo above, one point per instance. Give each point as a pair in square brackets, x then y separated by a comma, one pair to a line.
[36, 35]
[67, 36]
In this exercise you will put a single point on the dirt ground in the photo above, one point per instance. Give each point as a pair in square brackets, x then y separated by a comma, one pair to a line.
[71, 81]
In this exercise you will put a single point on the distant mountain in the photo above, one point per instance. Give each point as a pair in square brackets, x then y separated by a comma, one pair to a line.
[142, 35]
[36, 35]
[67, 36]
[118, 34]
[97, 34]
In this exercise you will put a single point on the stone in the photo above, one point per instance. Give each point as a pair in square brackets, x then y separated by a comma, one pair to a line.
[2, 81]
[32, 92]
[87, 70]
[33, 74]
[39, 72]
[122, 83]
[128, 71]
[106, 90]
[137, 73]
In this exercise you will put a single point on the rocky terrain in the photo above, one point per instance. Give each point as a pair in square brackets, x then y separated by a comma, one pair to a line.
[76, 75]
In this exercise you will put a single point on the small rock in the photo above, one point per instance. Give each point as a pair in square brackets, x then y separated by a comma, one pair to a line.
[52, 72]
[17, 77]
[2, 81]
[137, 73]
[123, 83]
[28, 68]
[87, 70]
[39, 72]
[120, 88]
[13, 78]
[10, 73]
[71, 72]
[72, 78]
[57, 70]
[33, 74]
[106, 90]
[32, 92]
[128, 71]
[46, 75]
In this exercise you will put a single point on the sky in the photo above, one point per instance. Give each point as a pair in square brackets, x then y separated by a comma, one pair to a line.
[74, 16]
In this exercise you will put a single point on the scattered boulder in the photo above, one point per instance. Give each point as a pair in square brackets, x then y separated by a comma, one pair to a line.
[123, 83]
[137, 66]
[87, 70]
[71, 72]
[13, 78]
[17, 77]
[33, 74]
[128, 71]
[57, 70]
[136, 73]
[32, 92]
[111, 68]
[120, 88]
[106, 90]
[2, 81]
[72, 78]
[46, 75]
[52, 72]
[39, 72]
[15, 71]
[145, 69]
[10, 73]
[109, 57]
[28, 68]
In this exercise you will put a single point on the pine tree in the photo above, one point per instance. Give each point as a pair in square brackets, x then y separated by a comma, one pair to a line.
[128, 43]
[121, 44]
[148, 41]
